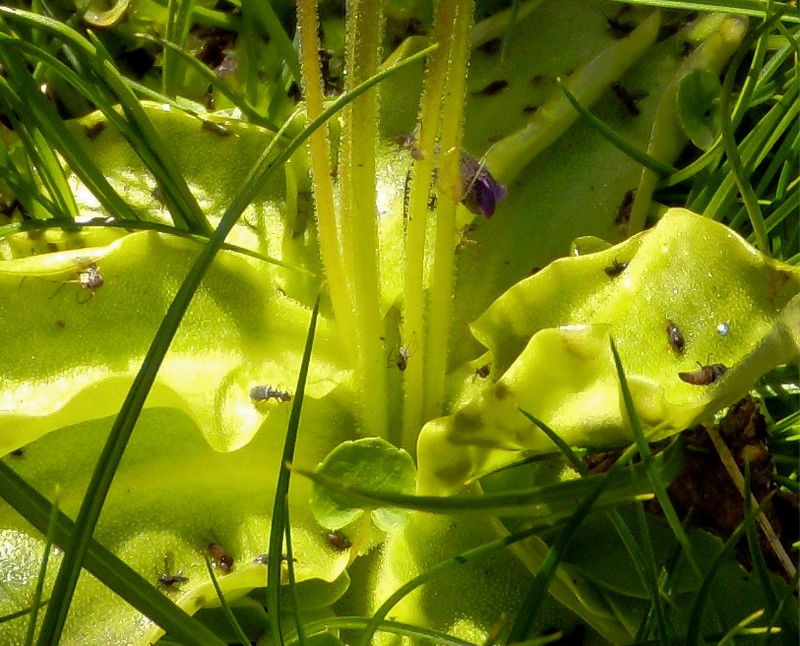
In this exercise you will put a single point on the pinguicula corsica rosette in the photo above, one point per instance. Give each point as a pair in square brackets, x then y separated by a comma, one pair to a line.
[481, 192]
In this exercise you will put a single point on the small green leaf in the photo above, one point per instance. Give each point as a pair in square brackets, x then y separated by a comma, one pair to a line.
[372, 463]
[697, 98]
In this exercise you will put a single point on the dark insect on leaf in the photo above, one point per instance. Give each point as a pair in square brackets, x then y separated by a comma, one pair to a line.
[217, 128]
[168, 581]
[265, 393]
[627, 98]
[220, 559]
[338, 541]
[483, 371]
[706, 375]
[480, 191]
[91, 278]
[616, 268]
[93, 131]
[619, 29]
[675, 337]
[624, 209]
[495, 87]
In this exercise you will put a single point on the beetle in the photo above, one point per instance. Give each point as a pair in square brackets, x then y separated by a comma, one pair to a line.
[706, 375]
[675, 337]
[266, 392]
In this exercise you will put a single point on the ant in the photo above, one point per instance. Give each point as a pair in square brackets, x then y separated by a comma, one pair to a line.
[265, 393]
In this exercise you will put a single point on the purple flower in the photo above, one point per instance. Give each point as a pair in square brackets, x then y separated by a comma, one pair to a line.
[481, 192]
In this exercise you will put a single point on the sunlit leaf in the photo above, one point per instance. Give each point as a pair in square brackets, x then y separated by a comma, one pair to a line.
[548, 342]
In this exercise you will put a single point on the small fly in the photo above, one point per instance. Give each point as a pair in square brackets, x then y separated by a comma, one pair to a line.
[89, 278]
[167, 581]
[401, 360]
[675, 337]
[616, 268]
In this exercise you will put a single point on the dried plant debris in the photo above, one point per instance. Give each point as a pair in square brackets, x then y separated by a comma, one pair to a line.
[705, 490]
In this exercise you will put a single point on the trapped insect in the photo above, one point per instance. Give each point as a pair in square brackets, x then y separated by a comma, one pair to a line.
[675, 338]
[220, 559]
[168, 581]
[401, 360]
[706, 375]
[483, 371]
[338, 541]
[89, 278]
[266, 392]
[616, 268]
[628, 98]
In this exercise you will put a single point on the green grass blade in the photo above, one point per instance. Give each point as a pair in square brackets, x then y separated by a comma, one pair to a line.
[645, 569]
[122, 427]
[754, 547]
[737, 168]
[553, 500]
[756, 8]
[292, 585]
[178, 24]
[280, 506]
[104, 565]
[147, 143]
[248, 110]
[37, 594]
[266, 16]
[693, 630]
[618, 141]
[226, 609]
[416, 634]
[536, 595]
[442, 568]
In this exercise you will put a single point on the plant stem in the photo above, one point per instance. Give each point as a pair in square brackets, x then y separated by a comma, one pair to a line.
[413, 294]
[449, 191]
[322, 182]
[358, 209]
